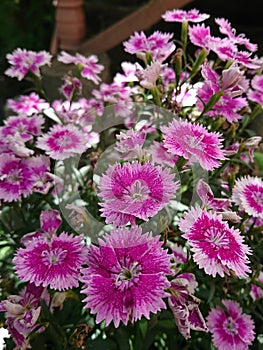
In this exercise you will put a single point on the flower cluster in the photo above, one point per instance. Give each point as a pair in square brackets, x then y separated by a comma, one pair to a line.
[140, 206]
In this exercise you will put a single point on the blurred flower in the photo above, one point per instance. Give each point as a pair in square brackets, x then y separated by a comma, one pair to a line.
[230, 328]
[257, 291]
[179, 15]
[28, 104]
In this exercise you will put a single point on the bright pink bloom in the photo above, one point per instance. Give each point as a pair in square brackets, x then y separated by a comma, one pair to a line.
[26, 61]
[199, 35]
[126, 276]
[50, 221]
[157, 44]
[53, 262]
[225, 28]
[72, 86]
[89, 67]
[22, 312]
[179, 15]
[248, 195]
[135, 190]
[193, 142]
[256, 291]
[256, 93]
[216, 247]
[27, 104]
[184, 305]
[231, 329]
[41, 175]
[63, 141]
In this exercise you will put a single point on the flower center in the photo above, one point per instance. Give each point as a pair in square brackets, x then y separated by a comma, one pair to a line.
[193, 141]
[230, 326]
[138, 191]
[56, 256]
[216, 237]
[127, 276]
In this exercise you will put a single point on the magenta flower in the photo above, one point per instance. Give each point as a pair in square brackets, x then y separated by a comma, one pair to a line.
[185, 306]
[216, 247]
[22, 312]
[16, 178]
[43, 179]
[256, 291]
[256, 92]
[50, 221]
[199, 35]
[63, 141]
[89, 67]
[230, 328]
[248, 195]
[179, 15]
[26, 61]
[72, 86]
[135, 190]
[53, 262]
[126, 276]
[28, 104]
[157, 44]
[193, 142]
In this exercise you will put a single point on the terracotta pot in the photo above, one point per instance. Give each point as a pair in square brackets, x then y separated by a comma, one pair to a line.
[70, 24]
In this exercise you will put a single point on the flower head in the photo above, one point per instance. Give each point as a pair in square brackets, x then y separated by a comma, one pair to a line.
[63, 141]
[193, 142]
[126, 276]
[26, 61]
[248, 195]
[230, 328]
[216, 247]
[135, 190]
[179, 15]
[27, 104]
[53, 262]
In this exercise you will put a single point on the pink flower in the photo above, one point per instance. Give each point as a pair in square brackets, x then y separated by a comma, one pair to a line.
[53, 262]
[185, 306]
[27, 104]
[193, 142]
[179, 15]
[63, 141]
[160, 155]
[22, 312]
[256, 93]
[216, 247]
[50, 221]
[126, 276]
[72, 86]
[16, 178]
[230, 328]
[157, 44]
[89, 67]
[256, 291]
[26, 61]
[199, 35]
[130, 143]
[41, 175]
[248, 195]
[148, 76]
[135, 190]
[225, 28]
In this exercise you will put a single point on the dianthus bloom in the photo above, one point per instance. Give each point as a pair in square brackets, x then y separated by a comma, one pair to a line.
[89, 67]
[126, 276]
[256, 93]
[231, 329]
[135, 190]
[216, 247]
[53, 262]
[63, 141]
[26, 61]
[256, 291]
[179, 15]
[27, 104]
[248, 195]
[193, 142]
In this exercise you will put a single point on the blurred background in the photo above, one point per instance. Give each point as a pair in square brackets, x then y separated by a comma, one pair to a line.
[30, 24]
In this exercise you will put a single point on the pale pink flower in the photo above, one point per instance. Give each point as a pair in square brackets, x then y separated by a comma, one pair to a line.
[41, 175]
[130, 143]
[148, 76]
[256, 92]
[53, 262]
[160, 155]
[216, 247]
[248, 195]
[256, 291]
[28, 104]
[135, 190]
[185, 306]
[129, 70]
[63, 141]
[230, 327]
[179, 15]
[24, 62]
[89, 67]
[126, 276]
[193, 142]
[157, 44]
[22, 312]
[225, 28]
